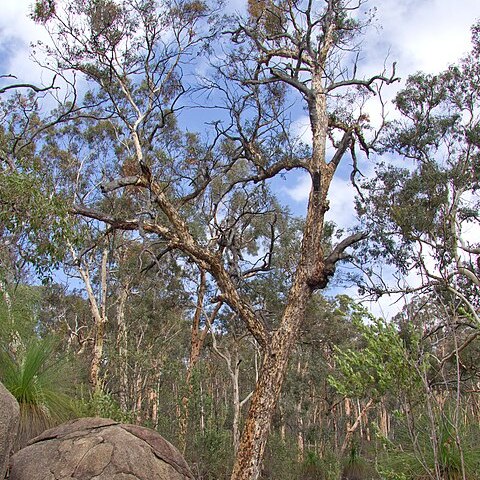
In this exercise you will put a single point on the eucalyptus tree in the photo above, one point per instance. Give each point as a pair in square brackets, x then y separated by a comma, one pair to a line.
[32, 219]
[423, 215]
[291, 48]
[208, 195]
[424, 212]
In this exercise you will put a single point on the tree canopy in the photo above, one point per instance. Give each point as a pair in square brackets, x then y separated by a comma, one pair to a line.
[152, 183]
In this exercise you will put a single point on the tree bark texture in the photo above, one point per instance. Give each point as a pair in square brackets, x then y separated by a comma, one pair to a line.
[122, 346]
[267, 391]
[98, 308]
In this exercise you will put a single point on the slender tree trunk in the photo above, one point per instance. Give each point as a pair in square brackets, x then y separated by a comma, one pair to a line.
[100, 316]
[153, 398]
[98, 308]
[353, 428]
[362, 418]
[138, 397]
[202, 410]
[300, 439]
[283, 428]
[15, 340]
[8, 300]
[348, 410]
[384, 424]
[336, 430]
[122, 347]
[232, 360]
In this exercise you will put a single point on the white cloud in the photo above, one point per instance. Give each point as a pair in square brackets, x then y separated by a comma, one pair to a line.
[342, 195]
[425, 35]
[387, 306]
[301, 129]
[300, 191]
[18, 30]
[419, 35]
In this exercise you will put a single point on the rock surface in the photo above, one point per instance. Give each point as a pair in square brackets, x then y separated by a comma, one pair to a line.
[9, 416]
[99, 449]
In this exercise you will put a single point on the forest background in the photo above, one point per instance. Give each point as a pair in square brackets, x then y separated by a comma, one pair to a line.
[148, 173]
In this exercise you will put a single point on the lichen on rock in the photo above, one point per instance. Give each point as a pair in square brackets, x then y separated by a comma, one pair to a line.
[99, 449]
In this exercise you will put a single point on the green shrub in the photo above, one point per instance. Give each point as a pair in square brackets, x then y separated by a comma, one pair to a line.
[40, 381]
[280, 461]
[315, 467]
[102, 404]
[357, 467]
[211, 454]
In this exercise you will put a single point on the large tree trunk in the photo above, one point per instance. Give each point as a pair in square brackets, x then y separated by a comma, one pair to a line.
[313, 272]
[267, 391]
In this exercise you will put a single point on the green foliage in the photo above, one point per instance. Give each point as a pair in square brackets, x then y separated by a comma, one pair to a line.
[281, 459]
[103, 404]
[39, 380]
[19, 313]
[356, 467]
[399, 466]
[382, 365]
[403, 460]
[37, 219]
[405, 465]
[43, 10]
[450, 456]
[34, 219]
[315, 467]
[212, 456]
[428, 204]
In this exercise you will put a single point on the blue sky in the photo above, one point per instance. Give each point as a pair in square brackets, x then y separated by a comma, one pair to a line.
[420, 35]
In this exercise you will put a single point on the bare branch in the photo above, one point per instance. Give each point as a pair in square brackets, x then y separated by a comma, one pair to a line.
[338, 253]
[27, 85]
[365, 83]
[455, 352]
[342, 148]
[133, 180]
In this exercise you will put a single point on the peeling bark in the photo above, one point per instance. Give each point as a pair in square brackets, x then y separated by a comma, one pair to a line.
[122, 346]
